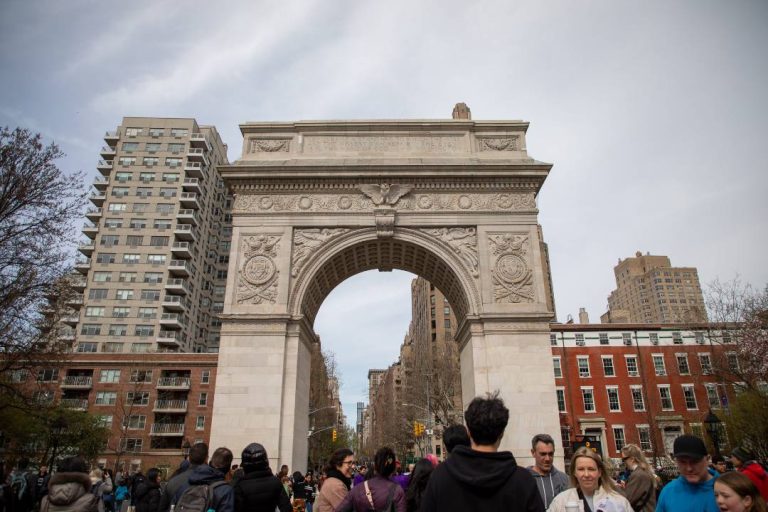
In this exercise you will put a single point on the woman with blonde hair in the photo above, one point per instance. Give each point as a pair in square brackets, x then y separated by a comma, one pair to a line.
[640, 488]
[735, 492]
[591, 486]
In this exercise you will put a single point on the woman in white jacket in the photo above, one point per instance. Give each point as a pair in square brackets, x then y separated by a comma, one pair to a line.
[592, 488]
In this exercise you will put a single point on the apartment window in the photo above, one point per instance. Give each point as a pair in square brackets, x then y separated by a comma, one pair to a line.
[131, 258]
[613, 399]
[170, 177]
[118, 330]
[132, 445]
[144, 330]
[113, 223]
[631, 366]
[588, 397]
[140, 207]
[91, 329]
[638, 402]
[558, 367]
[221, 274]
[705, 361]
[447, 324]
[159, 241]
[97, 293]
[155, 132]
[690, 397]
[162, 224]
[112, 347]
[553, 339]
[203, 399]
[164, 208]
[699, 336]
[200, 423]
[109, 376]
[146, 177]
[712, 397]
[124, 294]
[172, 162]
[119, 191]
[137, 422]
[150, 161]
[150, 295]
[654, 337]
[121, 312]
[138, 223]
[677, 338]
[733, 361]
[603, 338]
[179, 132]
[167, 192]
[144, 192]
[626, 338]
[134, 240]
[224, 258]
[147, 312]
[117, 207]
[132, 132]
[583, 362]
[104, 420]
[140, 347]
[658, 364]
[137, 398]
[666, 398]
[127, 277]
[126, 160]
[608, 369]
[682, 364]
[156, 259]
[205, 377]
[141, 376]
[106, 397]
[644, 434]
[109, 240]
[618, 437]
[48, 375]
[560, 399]
[579, 339]
[92, 311]
[123, 176]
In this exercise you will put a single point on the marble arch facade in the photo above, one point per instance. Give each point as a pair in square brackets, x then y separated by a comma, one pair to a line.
[317, 202]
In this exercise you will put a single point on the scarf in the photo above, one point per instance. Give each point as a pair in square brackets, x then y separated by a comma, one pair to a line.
[335, 473]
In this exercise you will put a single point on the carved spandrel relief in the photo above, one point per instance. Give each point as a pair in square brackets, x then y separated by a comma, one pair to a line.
[270, 145]
[511, 272]
[463, 241]
[306, 241]
[315, 144]
[498, 143]
[257, 276]
[351, 202]
[385, 194]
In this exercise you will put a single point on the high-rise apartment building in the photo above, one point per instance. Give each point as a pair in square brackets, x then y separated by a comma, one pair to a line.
[157, 241]
[650, 290]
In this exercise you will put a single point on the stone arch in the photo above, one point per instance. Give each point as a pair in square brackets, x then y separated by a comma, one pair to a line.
[360, 250]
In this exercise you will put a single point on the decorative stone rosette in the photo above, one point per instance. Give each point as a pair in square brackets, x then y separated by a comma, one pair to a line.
[257, 276]
[511, 273]
[307, 241]
[463, 241]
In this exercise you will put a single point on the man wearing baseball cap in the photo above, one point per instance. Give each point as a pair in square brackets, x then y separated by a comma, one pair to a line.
[693, 490]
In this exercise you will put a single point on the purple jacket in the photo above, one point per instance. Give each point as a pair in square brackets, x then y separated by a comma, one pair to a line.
[381, 488]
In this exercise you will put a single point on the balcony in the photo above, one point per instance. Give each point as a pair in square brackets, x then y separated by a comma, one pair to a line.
[77, 382]
[198, 140]
[78, 283]
[173, 383]
[194, 169]
[181, 250]
[174, 303]
[87, 248]
[169, 340]
[68, 336]
[104, 167]
[189, 200]
[101, 182]
[167, 429]
[181, 268]
[111, 138]
[187, 216]
[98, 198]
[107, 152]
[94, 214]
[171, 321]
[170, 406]
[177, 286]
[83, 266]
[90, 230]
[71, 320]
[75, 302]
[79, 404]
[191, 185]
[185, 232]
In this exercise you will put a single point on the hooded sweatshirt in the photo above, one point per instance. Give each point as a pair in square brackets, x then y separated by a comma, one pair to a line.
[758, 475]
[551, 484]
[473, 480]
[70, 492]
[681, 496]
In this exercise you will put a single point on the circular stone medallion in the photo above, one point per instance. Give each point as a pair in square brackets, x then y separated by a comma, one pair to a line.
[425, 202]
[258, 270]
[345, 203]
[511, 269]
[305, 203]
[265, 203]
[465, 202]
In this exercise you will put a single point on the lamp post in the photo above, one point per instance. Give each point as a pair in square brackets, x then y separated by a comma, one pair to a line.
[58, 426]
[185, 447]
[712, 424]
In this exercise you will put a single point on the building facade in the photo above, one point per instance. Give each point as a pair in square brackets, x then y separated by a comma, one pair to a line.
[650, 290]
[156, 243]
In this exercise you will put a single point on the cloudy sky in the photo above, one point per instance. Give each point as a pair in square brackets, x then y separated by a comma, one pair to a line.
[653, 113]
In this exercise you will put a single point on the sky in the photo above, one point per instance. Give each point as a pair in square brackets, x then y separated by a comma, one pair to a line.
[653, 114]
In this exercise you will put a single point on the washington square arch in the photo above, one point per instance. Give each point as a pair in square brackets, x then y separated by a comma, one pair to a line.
[316, 202]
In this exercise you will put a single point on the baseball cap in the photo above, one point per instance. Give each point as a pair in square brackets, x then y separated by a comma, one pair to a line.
[691, 446]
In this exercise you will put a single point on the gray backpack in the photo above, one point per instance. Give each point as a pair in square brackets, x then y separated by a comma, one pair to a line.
[197, 498]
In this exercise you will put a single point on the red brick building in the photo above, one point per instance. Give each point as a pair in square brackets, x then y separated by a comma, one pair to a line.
[637, 383]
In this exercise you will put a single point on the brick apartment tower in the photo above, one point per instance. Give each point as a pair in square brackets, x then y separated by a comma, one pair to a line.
[650, 290]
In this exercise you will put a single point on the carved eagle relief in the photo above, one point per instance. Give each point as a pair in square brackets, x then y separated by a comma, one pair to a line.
[385, 193]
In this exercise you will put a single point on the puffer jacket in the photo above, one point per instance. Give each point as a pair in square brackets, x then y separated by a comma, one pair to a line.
[758, 475]
[70, 492]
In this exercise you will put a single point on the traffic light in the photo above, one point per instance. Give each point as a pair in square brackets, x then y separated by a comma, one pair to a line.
[333, 436]
[418, 428]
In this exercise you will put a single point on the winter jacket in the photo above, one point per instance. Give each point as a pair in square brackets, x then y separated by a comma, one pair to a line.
[600, 500]
[758, 475]
[681, 496]
[70, 492]
[483, 481]
[172, 487]
[29, 495]
[260, 491]
[641, 490]
[223, 495]
[381, 490]
[551, 484]
[331, 494]
[147, 498]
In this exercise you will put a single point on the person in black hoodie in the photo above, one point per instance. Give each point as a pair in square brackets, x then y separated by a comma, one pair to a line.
[259, 490]
[481, 477]
[147, 496]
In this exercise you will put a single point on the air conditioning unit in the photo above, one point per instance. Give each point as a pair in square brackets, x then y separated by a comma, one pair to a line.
[632, 374]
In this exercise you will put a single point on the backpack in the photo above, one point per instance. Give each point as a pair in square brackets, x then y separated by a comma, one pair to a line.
[19, 485]
[390, 506]
[197, 498]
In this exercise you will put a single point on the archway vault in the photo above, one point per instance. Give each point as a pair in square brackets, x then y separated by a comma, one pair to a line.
[359, 250]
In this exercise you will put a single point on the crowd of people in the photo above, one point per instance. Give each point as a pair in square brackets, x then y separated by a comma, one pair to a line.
[476, 475]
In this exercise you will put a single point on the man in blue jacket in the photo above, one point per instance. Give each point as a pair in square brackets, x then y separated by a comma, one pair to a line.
[693, 490]
[213, 473]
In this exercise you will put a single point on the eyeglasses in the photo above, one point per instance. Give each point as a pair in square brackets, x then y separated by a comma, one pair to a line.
[349, 462]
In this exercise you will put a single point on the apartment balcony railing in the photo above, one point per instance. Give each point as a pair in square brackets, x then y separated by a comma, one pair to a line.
[77, 382]
[170, 406]
[177, 285]
[180, 268]
[94, 214]
[80, 404]
[187, 216]
[173, 383]
[167, 429]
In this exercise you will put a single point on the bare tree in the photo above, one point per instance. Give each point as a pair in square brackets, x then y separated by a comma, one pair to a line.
[38, 205]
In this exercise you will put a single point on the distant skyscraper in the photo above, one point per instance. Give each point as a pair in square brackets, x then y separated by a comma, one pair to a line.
[650, 290]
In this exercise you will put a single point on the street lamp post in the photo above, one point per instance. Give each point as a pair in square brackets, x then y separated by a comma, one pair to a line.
[58, 427]
[712, 423]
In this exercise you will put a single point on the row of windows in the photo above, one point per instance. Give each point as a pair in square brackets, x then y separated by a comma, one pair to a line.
[659, 366]
[155, 132]
[124, 277]
[138, 422]
[118, 330]
[168, 177]
[143, 192]
[627, 339]
[133, 240]
[137, 399]
[141, 207]
[113, 376]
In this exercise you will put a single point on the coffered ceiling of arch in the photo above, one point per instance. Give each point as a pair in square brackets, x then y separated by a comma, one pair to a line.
[383, 254]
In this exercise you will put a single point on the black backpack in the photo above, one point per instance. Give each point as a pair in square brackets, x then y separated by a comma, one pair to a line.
[198, 498]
